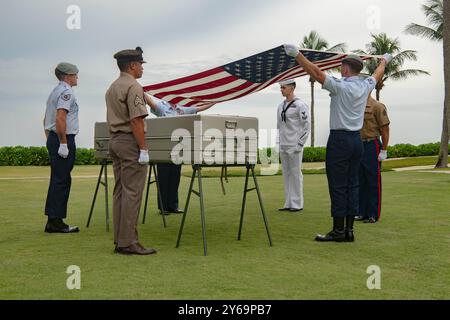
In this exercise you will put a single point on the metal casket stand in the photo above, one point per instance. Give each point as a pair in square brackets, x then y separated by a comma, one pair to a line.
[104, 166]
[158, 190]
[103, 169]
[101, 141]
[197, 171]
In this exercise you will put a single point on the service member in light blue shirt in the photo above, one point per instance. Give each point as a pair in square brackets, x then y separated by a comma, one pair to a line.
[61, 126]
[169, 174]
[344, 148]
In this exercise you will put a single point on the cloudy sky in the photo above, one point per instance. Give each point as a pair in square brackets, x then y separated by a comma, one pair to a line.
[181, 37]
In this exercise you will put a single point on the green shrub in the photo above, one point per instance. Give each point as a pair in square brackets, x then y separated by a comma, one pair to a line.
[314, 154]
[85, 156]
[38, 156]
[409, 150]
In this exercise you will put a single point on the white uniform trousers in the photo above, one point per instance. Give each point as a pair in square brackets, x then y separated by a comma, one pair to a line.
[291, 161]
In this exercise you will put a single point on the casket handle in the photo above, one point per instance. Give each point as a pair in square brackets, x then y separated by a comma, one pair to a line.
[230, 124]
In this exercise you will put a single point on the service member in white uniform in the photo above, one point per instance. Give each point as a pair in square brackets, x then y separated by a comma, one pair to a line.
[294, 125]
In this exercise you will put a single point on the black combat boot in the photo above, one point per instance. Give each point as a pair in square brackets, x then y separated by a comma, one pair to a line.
[349, 237]
[337, 234]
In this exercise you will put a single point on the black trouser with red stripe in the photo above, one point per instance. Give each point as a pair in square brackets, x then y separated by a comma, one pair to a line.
[370, 181]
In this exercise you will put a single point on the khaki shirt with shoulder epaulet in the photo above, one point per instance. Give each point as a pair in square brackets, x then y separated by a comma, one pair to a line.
[375, 117]
[124, 101]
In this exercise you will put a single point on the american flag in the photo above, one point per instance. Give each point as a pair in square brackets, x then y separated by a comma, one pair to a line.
[242, 77]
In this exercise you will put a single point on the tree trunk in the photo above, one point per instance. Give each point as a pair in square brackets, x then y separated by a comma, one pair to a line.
[443, 152]
[312, 81]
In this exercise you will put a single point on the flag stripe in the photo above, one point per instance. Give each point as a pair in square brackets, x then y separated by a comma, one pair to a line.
[189, 79]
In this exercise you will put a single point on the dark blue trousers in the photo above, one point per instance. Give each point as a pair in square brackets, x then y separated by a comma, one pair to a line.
[169, 179]
[344, 151]
[370, 181]
[60, 179]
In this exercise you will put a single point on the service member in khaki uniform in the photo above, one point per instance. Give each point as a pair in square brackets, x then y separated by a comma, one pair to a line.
[376, 124]
[126, 110]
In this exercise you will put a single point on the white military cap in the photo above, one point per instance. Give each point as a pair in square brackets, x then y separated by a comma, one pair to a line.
[286, 82]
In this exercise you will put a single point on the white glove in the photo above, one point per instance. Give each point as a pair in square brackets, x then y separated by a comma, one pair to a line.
[387, 57]
[382, 155]
[63, 151]
[299, 148]
[143, 157]
[291, 50]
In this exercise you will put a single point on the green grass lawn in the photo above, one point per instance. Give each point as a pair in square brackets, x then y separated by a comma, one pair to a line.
[411, 244]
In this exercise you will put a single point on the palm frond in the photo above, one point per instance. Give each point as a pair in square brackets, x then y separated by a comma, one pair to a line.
[434, 12]
[381, 44]
[424, 32]
[314, 41]
[340, 47]
[404, 74]
[359, 51]
[401, 57]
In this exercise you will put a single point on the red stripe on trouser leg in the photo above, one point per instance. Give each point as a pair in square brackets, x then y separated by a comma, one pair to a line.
[377, 145]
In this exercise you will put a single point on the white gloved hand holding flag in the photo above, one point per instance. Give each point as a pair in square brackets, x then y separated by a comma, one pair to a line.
[387, 57]
[291, 50]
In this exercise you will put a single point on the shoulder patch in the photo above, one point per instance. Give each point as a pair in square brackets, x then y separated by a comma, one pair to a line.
[66, 96]
[138, 101]
[370, 80]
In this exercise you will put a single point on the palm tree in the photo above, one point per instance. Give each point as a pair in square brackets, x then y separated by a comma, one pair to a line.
[446, 36]
[381, 44]
[314, 41]
[434, 13]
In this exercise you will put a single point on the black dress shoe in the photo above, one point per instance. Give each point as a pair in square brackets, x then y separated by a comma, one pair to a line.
[176, 211]
[295, 210]
[284, 209]
[331, 236]
[337, 234]
[166, 213]
[370, 220]
[359, 218]
[50, 228]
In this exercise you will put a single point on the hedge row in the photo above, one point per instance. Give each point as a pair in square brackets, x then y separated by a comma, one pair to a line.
[38, 156]
[317, 154]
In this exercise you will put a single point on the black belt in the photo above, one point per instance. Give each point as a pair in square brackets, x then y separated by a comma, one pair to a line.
[345, 131]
